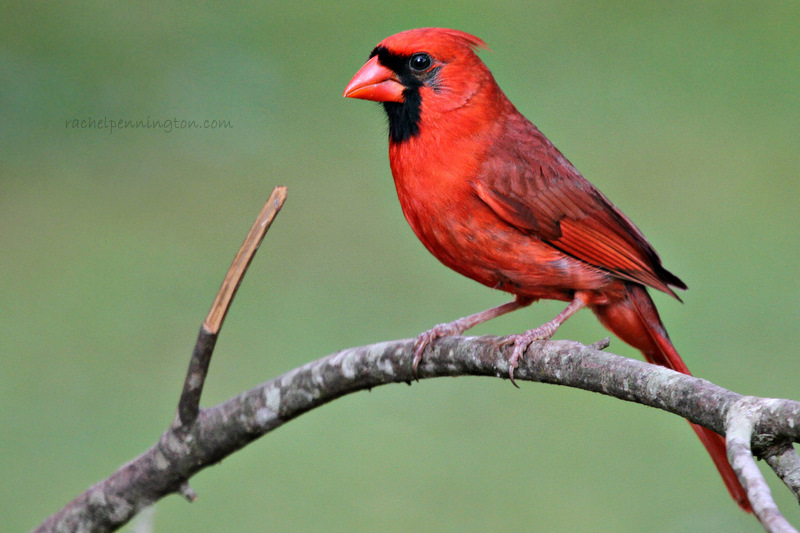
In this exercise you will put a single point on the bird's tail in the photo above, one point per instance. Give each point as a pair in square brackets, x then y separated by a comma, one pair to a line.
[635, 320]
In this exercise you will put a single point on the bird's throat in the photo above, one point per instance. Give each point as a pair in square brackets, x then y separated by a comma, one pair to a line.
[404, 118]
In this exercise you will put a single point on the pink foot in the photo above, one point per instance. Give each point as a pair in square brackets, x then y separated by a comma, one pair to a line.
[440, 330]
[523, 340]
[461, 325]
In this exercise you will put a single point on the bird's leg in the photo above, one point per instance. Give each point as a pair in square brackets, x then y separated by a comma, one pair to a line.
[543, 332]
[457, 327]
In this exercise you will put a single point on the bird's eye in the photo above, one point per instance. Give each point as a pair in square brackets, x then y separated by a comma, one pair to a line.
[419, 62]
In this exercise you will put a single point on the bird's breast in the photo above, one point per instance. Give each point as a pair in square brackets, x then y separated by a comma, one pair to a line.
[441, 205]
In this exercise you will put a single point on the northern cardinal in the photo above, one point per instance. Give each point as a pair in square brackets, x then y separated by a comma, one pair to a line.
[491, 197]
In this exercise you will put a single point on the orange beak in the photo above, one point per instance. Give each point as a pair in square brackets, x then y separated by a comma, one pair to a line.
[375, 82]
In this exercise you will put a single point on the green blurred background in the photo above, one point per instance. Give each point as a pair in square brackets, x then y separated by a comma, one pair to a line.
[113, 245]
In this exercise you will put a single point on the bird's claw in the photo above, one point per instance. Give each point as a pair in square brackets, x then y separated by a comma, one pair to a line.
[427, 337]
[521, 344]
[422, 342]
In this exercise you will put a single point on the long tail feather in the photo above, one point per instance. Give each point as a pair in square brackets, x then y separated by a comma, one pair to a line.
[635, 320]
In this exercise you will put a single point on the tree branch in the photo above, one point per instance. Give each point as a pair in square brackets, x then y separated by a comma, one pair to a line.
[225, 428]
[189, 404]
[741, 420]
[199, 438]
[783, 459]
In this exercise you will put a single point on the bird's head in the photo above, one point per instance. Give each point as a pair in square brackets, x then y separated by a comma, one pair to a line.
[420, 74]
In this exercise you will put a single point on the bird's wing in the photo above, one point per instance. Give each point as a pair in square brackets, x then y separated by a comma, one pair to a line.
[528, 183]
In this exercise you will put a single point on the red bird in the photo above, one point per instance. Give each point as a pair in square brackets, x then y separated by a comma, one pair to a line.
[491, 197]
